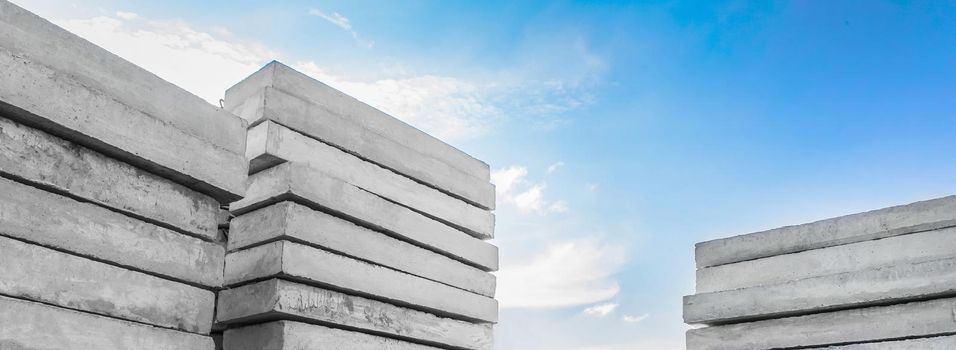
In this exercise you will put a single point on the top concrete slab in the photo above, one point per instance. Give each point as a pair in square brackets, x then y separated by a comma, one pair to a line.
[893, 221]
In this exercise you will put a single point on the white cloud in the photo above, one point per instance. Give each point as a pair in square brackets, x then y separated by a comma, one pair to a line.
[558, 207]
[634, 319]
[512, 188]
[600, 310]
[342, 22]
[592, 187]
[553, 167]
[129, 16]
[564, 274]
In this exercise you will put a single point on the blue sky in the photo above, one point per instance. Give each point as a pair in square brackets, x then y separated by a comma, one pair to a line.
[620, 133]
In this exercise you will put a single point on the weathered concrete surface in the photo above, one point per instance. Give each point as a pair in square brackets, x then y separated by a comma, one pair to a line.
[918, 319]
[279, 299]
[98, 120]
[916, 217]
[269, 141]
[278, 93]
[294, 222]
[34, 326]
[304, 263]
[820, 262]
[289, 335]
[41, 274]
[935, 343]
[89, 230]
[314, 188]
[901, 282]
[63, 166]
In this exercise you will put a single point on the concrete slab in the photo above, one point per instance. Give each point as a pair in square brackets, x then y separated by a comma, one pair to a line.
[289, 335]
[297, 223]
[67, 168]
[279, 299]
[901, 282]
[935, 343]
[35, 326]
[322, 268]
[52, 277]
[97, 120]
[826, 261]
[264, 100]
[51, 220]
[269, 142]
[912, 320]
[916, 217]
[316, 189]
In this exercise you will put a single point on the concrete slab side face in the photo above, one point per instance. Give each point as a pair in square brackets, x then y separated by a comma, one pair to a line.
[913, 320]
[44, 159]
[30, 36]
[52, 220]
[888, 222]
[279, 299]
[322, 268]
[289, 335]
[935, 343]
[99, 121]
[317, 190]
[29, 325]
[36, 273]
[294, 222]
[781, 268]
[271, 141]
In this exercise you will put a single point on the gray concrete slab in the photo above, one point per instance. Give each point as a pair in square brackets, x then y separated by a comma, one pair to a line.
[912, 320]
[48, 219]
[289, 335]
[820, 262]
[935, 343]
[52, 277]
[322, 268]
[314, 188]
[65, 167]
[34, 326]
[901, 282]
[97, 120]
[291, 107]
[269, 141]
[279, 299]
[295, 222]
[893, 221]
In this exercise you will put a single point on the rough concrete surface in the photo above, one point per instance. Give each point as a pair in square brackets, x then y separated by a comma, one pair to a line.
[271, 141]
[917, 319]
[52, 220]
[41, 274]
[322, 268]
[314, 188]
[289, 335]
[818, 262]
[905, 281]
[35, 326]
[915, 217]
[279, 299]
[54, 163]
[295, 222]
[935, 343]
[351, 135]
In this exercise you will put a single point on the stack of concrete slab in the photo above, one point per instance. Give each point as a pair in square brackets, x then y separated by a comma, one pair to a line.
[884, 279]
[111, 181]
[357, 231]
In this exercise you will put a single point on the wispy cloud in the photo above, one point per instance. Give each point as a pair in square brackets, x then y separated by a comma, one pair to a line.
[600, 310]
[554, 167]
[634, 319]
[342, 22]
[513, 188]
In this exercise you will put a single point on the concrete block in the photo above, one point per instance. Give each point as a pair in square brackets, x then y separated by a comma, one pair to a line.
[935, 343]
[901, 282]
[912, 320]
[98, 120]
[314, 188]
[32, 272]
[826, 261]
[289, 335]
[322, 268]
[269, 142]
[290, 98]
[51, 220]
[34, 326]
[62, 166]
[916, 217]
[294, 222]
[279, 299]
